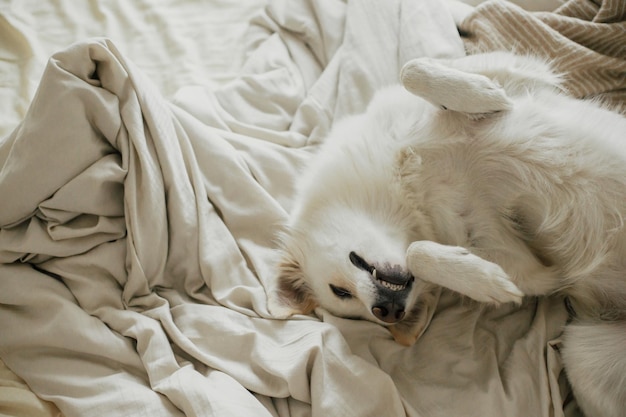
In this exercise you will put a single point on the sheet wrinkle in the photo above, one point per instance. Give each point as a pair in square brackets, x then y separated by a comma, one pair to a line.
[158, 308]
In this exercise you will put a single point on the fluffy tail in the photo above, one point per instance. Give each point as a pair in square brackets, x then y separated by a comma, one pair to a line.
[594, 355]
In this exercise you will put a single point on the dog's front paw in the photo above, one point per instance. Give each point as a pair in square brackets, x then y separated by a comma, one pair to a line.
[492, 285]
[458, 269]
[452, 89]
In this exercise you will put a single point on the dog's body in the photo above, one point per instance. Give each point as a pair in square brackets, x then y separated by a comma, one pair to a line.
[491, 183]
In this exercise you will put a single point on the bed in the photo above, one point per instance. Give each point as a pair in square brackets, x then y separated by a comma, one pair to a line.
[148, 154]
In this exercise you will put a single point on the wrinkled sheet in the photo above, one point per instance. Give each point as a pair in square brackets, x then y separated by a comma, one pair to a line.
[137, 234]
[175, 42]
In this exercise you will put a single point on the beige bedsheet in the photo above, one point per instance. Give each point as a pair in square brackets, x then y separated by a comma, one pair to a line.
[138, 227]
[175, 42]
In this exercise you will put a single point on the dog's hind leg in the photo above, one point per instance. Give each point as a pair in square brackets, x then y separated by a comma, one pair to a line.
[458, 269]
[477, 84]
[452, 89]
[595, 361]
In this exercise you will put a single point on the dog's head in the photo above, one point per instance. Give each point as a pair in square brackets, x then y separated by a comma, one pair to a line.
[344, 248]
[352, 265]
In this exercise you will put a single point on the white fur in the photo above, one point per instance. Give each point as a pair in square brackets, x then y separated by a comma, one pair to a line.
[480, 279]
[492, 183]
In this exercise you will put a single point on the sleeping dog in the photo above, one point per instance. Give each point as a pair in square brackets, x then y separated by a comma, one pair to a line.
[478, 175]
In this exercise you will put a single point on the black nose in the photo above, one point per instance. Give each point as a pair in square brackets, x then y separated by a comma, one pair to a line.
[389, 312]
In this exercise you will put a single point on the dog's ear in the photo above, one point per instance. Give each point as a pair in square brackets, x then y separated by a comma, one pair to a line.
[290, 294]
[410, 329]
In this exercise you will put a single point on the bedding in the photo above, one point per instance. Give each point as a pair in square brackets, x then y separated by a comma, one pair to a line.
[584, 41]
[145, 175]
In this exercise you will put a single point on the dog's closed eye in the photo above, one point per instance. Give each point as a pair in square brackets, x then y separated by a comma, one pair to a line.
[340, 292]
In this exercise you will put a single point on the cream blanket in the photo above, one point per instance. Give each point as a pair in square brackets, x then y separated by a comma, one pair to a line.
[137, 234]
[585, 40]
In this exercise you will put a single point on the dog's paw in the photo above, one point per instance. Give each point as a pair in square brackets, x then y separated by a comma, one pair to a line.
[458, 269]
[453, 89]
[493, 286]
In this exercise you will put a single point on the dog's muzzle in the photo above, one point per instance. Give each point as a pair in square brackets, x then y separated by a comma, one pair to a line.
[392, 288]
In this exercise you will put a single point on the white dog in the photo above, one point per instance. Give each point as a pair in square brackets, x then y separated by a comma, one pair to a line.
[485, 179]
